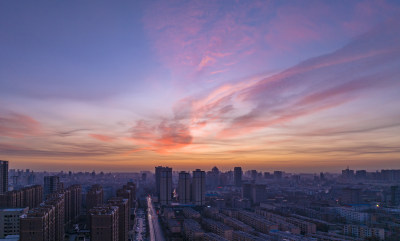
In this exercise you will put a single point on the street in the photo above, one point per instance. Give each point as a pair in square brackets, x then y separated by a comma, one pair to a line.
[154, 226]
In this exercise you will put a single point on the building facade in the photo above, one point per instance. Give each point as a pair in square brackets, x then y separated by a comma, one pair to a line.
[104, 223]
[51, 184]
[123, 216]
[94, 197]
[237, 176]
[199, 187]
[165, 186]
[184, 189]
[9, 221]
[3, 176]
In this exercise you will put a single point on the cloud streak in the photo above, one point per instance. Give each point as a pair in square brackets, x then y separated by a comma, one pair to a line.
[369, 63]
[101, 137]
[162, 137]
[201, 38]
[18, 125]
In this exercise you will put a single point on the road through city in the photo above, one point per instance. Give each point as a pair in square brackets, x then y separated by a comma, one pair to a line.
[156, 233]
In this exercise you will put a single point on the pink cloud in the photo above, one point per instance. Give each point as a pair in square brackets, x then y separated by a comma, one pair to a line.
[318, 84]
[18, 125]
[365, 12]
[200, 38]
[195, 37]
[302, 90]
[102, 137]
[163, 137]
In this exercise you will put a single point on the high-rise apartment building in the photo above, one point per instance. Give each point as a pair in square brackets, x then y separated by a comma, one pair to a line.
[247, 190]
[126, 194]
[50, 220]
[158, 176]
[67, 206]
[131, 186]
[32, 195]
[3, 176]
[26, 197]
[394, 195]
[104, 223]
[347, 173]
[123, 214]
[57, 201]
[258, 193]
[184, 187]
[350, 196]
[128, 191]
[253, 174]
[254, 192]
[165, 185]
[199, 187]
[51, 184]
[237, 175]
[38, 224]
[76, 201]
[213, 178]
[278, 175]
[94, 197]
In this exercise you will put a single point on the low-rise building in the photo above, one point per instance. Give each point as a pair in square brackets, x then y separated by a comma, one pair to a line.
[213, 237]
[191, 213]
[243, 236]
[9, 221]
[352, 215]
[217, 228]
[192, 230]
[305, 227]
[174, 226]
[362, 231]
[232, 222]
[256, 221]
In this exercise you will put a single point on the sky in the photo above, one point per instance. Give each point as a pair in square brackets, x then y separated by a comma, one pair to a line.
[299, 86]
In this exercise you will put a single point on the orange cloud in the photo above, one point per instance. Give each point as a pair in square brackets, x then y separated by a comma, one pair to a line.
[162, 138]
[102, 137]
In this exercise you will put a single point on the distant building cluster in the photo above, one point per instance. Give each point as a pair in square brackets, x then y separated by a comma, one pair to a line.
[190, 190]
[234, 205]
[253, 205]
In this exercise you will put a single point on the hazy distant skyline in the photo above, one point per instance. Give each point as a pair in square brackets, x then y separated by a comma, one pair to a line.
[290, 85]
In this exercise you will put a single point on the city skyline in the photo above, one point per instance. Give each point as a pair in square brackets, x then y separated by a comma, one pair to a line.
[201, 205]
[282, 85]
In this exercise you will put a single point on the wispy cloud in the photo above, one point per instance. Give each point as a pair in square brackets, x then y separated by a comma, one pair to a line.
[18, 125]
[70, 132]
[161, 137]
[202, 38]
[369, 63]
[101, 137]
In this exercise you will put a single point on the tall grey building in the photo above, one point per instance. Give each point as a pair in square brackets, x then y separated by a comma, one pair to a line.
[165, 185]
[213, 178]
[237, 175]
[3, 177]
[158, 176]
[184, 187]
[51, 184]
[199, 187]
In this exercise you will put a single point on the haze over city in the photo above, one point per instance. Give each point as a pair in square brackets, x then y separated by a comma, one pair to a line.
[300, 86]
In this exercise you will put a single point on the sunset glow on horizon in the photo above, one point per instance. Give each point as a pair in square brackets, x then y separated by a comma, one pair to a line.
[291, 85]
